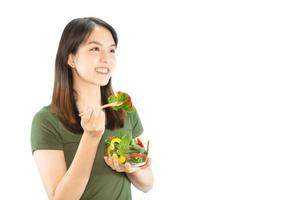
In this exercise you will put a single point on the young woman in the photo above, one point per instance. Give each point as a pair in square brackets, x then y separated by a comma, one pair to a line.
[70, 150]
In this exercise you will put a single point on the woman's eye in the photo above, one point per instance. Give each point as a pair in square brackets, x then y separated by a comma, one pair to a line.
[112, 51]
[95, 49]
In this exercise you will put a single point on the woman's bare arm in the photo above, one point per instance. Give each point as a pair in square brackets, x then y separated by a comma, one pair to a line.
[61, 183]
[142, 179]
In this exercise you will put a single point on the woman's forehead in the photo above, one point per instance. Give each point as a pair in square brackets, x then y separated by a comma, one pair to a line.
[100, 36]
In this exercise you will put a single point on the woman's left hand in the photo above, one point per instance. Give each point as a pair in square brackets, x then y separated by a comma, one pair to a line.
[114, 164]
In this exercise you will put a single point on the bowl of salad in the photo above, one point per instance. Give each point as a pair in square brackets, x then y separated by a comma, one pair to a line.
[127, 149]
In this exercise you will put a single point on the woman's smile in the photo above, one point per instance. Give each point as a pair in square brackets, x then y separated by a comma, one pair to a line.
[102, 70]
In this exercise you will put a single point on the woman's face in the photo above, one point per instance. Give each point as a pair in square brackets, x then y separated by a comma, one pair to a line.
[94, 61]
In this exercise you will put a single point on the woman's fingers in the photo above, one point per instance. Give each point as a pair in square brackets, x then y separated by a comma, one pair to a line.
[93, 121]
[108, 161]
[128, 168]
[114, 164]
[99, 120]
[87, 115]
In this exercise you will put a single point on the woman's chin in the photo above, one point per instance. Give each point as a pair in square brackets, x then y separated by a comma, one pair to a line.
[103, 83]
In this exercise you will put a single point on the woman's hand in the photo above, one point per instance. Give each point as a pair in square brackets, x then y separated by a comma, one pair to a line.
[93, 122]
[114, 164]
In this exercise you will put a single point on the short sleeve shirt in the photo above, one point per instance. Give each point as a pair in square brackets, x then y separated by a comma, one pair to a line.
[47, 132]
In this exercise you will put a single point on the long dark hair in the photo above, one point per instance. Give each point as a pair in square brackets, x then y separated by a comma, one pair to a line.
[63, 102]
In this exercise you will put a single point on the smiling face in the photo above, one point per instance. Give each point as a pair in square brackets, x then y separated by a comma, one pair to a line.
[94, 61]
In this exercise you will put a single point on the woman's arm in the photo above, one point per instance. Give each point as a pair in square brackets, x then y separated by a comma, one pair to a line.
[61, 183]
[143, 178]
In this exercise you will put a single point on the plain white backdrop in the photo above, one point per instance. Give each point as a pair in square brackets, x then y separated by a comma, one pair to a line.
[216, 84]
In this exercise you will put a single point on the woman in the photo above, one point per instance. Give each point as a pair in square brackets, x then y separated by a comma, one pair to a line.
[70, 150]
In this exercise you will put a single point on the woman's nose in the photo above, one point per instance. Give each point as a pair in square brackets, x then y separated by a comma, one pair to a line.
[103, 56]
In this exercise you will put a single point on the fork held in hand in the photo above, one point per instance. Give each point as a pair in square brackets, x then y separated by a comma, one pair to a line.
[105, 106]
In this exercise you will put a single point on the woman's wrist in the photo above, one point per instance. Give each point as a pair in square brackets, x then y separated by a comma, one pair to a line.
[93, 136]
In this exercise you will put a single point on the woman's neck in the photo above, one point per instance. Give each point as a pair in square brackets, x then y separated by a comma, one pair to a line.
[87, 95]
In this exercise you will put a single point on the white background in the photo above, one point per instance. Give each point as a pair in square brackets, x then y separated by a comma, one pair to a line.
[216, 84]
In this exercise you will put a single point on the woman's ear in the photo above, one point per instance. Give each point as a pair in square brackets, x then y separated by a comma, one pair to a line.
[71, 60]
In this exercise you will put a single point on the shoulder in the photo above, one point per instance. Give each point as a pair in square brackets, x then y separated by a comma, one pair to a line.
[136, 124]
[132, 113]
[44, 113]
[45, 116]
[45, 131]
[133, 116]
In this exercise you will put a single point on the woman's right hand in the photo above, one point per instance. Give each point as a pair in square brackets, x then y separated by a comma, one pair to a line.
[93, 122]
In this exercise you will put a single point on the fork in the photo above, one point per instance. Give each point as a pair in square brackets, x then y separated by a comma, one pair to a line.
[105, 106]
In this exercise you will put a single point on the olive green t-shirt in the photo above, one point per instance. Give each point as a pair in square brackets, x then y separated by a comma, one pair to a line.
[47, 132]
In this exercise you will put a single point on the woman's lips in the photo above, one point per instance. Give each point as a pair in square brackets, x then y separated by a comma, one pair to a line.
[102, 70]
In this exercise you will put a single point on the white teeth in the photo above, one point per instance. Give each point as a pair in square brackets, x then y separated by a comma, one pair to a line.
[102, 70]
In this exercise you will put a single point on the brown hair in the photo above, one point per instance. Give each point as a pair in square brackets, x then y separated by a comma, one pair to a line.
[63, 101]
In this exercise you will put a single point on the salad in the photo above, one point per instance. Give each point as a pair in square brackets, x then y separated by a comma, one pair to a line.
[119, 101]
[125, 149]
[124, 98]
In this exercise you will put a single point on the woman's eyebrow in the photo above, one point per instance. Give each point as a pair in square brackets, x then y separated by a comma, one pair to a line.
[99, 43]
